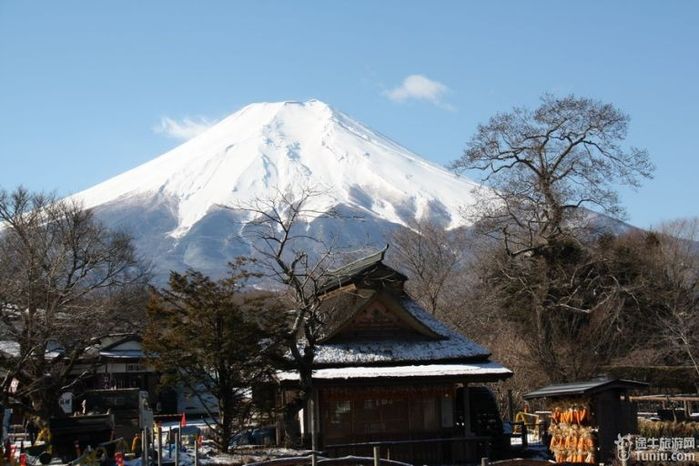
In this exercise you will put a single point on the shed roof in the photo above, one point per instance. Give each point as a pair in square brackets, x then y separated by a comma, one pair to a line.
[588, 387]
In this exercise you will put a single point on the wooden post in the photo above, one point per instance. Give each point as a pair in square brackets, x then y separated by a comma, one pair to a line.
[467, 411]
[196, 451]
[280, 418]
[144, 447]
[160, 445]
[177, 447]
[312, 420]
[484, 462]
[510, 405]
[377, 457]
[314, 458]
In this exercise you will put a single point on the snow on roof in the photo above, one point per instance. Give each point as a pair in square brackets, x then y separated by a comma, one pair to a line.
[452, 346]
[435, 324]
[9, 347]
[429, 370]
[586, 387]
[12, 349]
[341, 309]
[122, 354]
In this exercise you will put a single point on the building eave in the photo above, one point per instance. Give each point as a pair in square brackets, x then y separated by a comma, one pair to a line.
[480, 372]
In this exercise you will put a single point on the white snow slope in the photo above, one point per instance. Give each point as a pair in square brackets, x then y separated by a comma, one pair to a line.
[172, 204]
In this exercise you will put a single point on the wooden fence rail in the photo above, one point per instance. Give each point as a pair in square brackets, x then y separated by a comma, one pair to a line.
[452, 450]
[321, 460]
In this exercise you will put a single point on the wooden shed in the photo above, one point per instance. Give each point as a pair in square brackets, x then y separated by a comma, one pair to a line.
[592, 412]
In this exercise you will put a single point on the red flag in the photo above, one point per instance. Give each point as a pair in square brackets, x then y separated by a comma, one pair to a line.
[183, 421]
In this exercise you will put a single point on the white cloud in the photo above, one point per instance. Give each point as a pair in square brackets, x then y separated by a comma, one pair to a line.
[183, 129]
[419, 87]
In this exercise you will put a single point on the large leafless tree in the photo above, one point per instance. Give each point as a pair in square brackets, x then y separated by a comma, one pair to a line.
[540, 168]
[65, 279]
[677, 261]
[278, 234]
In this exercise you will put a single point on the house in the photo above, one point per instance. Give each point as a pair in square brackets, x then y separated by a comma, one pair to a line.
[386, 370]
[118, 362]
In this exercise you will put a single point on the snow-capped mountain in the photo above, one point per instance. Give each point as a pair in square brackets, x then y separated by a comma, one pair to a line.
[172, 205]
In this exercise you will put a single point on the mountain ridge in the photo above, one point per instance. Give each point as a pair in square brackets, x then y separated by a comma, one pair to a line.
[180, 206]
[286, 144]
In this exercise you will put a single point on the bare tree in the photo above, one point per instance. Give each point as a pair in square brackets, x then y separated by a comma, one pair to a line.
[540, 166]
[678, 262]
[63, 280]
[432, 257]
[299, 262]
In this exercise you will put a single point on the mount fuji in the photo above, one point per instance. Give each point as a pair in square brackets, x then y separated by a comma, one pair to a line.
[175, 204]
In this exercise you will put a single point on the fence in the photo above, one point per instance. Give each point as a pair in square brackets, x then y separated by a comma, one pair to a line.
[314, 459]
[453, 450]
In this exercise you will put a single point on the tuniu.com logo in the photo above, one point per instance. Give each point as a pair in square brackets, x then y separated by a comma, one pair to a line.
[663, 449]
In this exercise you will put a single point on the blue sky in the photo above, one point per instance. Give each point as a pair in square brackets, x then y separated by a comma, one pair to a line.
[90, 89]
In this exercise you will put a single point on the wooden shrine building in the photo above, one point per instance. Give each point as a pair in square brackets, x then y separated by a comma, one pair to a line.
[388, 371]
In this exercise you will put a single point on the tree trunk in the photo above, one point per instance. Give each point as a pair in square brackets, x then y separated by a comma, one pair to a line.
[224, 434]
[45, 404]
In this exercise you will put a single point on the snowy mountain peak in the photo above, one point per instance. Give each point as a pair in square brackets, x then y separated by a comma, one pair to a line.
[282, 145]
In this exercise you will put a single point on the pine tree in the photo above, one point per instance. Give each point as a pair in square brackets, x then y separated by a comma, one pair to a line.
[209, 337]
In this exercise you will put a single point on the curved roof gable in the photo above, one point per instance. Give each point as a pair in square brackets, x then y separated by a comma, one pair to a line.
[356, 309]
[369, 268]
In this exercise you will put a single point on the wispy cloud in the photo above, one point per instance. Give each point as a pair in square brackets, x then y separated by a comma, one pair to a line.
[183, 129]
[421, 88]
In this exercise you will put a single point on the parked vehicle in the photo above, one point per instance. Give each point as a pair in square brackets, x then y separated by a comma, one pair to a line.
[263, 435]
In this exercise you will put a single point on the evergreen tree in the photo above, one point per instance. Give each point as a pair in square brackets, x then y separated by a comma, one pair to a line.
[210, 338]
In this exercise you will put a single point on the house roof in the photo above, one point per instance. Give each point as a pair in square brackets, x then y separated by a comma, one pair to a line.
[358, 269]
[338, 312]
[589, 387]
[409, 344]
[10, 348]
[451, 346]
[117, 346]
[488, 368]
